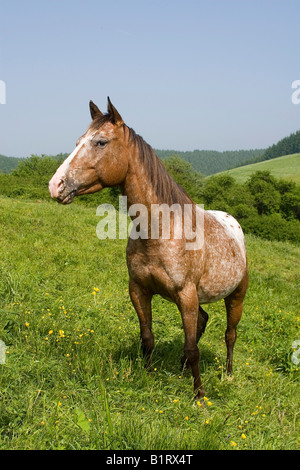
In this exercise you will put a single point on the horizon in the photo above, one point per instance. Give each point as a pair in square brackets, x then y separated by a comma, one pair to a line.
[155, 149]
[217, 76]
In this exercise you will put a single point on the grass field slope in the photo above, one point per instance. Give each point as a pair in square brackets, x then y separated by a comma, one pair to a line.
[73, 375]
[287, 167]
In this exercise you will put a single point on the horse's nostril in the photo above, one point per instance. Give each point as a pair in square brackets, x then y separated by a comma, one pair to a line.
[61, 185]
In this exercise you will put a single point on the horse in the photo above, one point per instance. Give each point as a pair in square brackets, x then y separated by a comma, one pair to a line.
[111, 154]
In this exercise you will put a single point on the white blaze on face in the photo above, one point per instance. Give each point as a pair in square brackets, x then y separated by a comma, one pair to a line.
[64, 167]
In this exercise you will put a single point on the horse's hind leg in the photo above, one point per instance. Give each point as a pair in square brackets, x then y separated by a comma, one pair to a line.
[234, 308]
[141, 300]
[202, 320]
[187, 302]
[201, 324]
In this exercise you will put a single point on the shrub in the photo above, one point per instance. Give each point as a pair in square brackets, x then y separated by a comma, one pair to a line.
[272, 227]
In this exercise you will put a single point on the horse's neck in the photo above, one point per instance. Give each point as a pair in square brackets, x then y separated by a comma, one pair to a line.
[137, 186]
[147, 181]
[143, 192]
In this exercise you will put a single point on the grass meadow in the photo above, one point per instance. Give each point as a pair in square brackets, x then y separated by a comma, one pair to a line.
[74, 377]
[287, 167]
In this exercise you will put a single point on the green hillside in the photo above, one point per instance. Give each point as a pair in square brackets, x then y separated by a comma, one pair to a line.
[7, 164]
[287, 167]
[209, 162]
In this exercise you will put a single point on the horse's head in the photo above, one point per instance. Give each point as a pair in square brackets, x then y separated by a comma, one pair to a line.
[99, 160]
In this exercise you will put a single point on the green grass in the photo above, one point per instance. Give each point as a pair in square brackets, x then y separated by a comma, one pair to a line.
[74, 376]
[287, 167]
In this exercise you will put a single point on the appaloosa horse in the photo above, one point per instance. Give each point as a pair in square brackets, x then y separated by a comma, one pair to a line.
[109, 154]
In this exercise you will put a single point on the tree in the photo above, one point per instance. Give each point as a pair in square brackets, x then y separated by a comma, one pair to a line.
[263, 188]
[38, 166]
[185, 175]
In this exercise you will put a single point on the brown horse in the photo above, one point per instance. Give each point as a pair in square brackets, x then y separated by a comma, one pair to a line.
[109, 154]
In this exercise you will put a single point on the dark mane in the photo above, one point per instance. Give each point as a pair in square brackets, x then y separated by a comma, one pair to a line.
[166, 189]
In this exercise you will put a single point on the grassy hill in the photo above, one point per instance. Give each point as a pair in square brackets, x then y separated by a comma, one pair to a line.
[74, 376]
[287, 167]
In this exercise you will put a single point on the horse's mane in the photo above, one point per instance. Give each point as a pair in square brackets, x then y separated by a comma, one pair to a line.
[164, 186]
[166, 189]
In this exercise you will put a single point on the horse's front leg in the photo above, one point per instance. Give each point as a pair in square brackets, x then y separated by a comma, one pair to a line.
[141, 300]
[188, 304]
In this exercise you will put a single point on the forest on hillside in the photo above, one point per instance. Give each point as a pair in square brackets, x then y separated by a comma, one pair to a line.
[209, 162]
[286, 146]
[7, 164]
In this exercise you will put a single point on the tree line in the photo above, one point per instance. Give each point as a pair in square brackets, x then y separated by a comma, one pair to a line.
[286, 146]
[210, 162]
[7, 164]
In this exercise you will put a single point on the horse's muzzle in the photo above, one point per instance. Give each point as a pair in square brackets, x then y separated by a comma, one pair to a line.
[67, 199]
[60, 191]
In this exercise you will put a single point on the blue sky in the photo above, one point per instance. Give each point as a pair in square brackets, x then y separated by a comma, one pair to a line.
[206, 74]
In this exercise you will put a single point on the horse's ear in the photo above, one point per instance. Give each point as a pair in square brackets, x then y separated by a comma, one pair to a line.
[116, 118]
[95, 111]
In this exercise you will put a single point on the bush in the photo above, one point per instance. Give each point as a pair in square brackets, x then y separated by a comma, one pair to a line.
[266, 196]
[272, 227]
[38, 166]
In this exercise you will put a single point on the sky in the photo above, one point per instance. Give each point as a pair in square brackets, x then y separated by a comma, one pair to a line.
[193, 74]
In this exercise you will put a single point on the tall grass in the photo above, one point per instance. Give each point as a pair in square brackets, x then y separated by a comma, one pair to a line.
[74, 377]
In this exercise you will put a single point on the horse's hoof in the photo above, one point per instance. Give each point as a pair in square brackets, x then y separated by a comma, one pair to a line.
[199, 396]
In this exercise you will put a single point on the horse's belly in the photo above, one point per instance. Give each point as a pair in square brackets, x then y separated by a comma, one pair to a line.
[212, 293]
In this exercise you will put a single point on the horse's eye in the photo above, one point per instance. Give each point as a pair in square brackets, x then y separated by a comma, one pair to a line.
[101, 143]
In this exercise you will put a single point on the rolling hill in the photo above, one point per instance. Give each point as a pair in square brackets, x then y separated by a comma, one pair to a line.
[286, 167]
